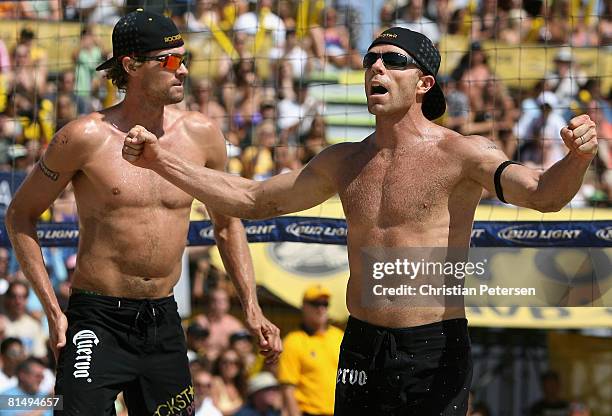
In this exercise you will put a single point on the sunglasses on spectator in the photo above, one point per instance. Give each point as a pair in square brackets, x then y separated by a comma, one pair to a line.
[16, 295]
[317, 304]
[170, 61]
[228, 361]
[391, 60]
[14, 353]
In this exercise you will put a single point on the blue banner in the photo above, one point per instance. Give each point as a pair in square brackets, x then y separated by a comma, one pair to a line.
[333, 231]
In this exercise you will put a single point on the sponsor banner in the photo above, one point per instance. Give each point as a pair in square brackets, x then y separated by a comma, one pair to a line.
[334, 231]
[50, 235]
[281, 229]
[543, 234]
[484, 233]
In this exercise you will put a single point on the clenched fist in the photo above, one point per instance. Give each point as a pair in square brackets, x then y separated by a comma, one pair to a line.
[140, 147]
[580, 136]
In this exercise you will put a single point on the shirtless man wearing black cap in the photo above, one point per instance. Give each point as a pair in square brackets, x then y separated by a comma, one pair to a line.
[122, 331]
[412, 183]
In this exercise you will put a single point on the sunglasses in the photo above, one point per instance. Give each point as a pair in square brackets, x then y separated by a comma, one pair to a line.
[16, 296]
[170, 61]
[391, 60]
[317, 304]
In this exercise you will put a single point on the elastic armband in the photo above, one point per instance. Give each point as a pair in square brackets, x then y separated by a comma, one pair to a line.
[497, 179]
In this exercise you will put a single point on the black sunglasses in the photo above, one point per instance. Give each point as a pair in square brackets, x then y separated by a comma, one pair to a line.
[171, 61]
[391, 60]
[318, 304]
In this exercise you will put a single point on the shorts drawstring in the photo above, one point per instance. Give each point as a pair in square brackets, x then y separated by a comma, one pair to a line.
[148, 313]
[385, 341]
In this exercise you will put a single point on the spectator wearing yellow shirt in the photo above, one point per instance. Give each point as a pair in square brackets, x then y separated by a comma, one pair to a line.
[258, 159]
[308, 364]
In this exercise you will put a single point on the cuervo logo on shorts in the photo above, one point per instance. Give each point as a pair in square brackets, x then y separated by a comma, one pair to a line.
[84, 340]
[349, 376]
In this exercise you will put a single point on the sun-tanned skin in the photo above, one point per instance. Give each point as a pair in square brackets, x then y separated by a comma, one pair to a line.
[133, 224]
[410, 184]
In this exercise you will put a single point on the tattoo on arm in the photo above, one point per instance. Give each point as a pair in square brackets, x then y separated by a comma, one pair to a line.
[48, 172]
[491, 147]
[59, 139]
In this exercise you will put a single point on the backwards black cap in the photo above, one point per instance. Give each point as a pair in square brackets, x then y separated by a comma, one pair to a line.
[427, 56]
[141, 31]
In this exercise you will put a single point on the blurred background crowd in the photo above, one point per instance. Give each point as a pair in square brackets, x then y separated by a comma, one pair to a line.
[253, 69]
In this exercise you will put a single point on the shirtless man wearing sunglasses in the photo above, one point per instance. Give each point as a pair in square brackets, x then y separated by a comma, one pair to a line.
[122, 331]
[411, 184]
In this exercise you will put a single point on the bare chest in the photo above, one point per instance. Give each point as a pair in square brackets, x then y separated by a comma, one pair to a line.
[396, 191]
[111, 182]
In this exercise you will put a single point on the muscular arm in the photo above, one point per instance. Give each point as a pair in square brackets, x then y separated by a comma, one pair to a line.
[546, 191]
[231, 240]
[229, 233]
[44, 183]
[236, 196]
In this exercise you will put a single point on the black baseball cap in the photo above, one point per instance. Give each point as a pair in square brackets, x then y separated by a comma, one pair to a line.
[419, 47]
[198, 331]
[141, 31]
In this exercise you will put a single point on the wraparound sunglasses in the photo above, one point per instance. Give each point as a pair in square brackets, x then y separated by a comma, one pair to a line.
[391, 60]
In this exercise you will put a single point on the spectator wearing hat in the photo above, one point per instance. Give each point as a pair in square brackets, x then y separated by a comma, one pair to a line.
[308, 365]
[542, 145]
[197, 335]
[261, 20]
[242, 342]
[264, 397]
[566, 78]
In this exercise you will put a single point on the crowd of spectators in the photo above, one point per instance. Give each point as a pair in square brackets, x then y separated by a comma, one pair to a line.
[258, 92]
[273, 124]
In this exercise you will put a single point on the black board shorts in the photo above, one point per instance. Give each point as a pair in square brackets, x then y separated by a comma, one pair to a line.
[422, 371]
[118, 344]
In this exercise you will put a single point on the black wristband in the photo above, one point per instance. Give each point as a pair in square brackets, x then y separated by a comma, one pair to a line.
[497, 179]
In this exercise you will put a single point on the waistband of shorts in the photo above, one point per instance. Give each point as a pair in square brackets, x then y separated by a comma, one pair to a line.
[456, 327]
[80, 296]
